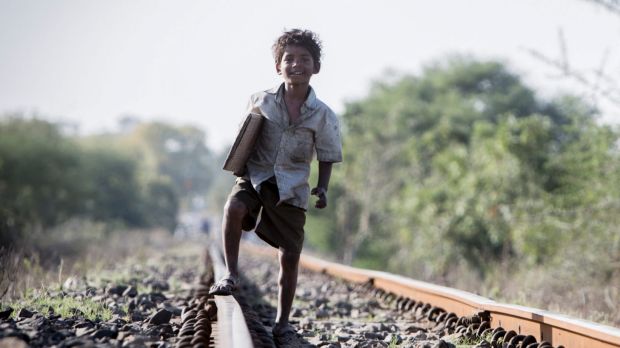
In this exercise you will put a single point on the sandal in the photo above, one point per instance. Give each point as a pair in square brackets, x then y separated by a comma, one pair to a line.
[284, 337]
[224, 287]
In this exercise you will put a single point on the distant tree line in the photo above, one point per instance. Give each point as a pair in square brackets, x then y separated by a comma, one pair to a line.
[137, 178]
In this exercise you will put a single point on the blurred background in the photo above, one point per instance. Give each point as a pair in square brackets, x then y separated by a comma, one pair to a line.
[480, 137]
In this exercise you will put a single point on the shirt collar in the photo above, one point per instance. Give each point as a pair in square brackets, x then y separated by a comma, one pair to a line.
[278, 91]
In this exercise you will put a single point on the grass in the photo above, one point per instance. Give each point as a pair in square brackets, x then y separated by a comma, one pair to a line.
[75, 249]
[31, 277]
[465, 342]
[67, 306]
[393, 343]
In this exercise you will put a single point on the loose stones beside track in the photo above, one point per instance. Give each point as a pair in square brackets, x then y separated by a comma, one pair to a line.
[163, 302]
[148, 297]
[328, 312]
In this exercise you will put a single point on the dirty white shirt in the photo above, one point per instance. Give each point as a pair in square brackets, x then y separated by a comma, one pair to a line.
[285, 151]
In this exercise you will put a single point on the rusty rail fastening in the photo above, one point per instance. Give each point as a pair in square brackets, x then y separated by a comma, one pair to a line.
[500, 325]
[198, 318]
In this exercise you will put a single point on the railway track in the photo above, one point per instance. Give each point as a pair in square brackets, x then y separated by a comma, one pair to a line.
[341, 306]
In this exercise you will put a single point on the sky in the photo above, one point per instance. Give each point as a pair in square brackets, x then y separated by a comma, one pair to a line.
[191, 62]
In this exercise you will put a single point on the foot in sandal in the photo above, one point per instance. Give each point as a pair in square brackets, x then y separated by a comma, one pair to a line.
[284, 336]
[224, 287]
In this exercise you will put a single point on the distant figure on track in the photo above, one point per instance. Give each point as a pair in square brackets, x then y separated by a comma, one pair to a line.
[296, 125]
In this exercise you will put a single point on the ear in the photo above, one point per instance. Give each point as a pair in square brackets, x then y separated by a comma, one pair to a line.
[278, 69]
[317, 68]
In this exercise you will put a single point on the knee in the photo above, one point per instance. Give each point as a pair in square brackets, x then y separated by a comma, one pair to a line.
[235, 209]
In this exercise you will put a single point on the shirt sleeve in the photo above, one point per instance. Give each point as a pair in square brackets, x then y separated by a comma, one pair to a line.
[250, 107]
[328, 142]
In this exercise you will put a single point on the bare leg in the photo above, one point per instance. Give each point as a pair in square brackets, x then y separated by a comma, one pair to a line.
[287, 284]
[234, 211]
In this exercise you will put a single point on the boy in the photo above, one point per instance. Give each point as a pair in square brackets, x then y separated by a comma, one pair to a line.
[296, 125]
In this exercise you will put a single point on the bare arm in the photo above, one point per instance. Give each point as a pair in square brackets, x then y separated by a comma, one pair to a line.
[325, 172]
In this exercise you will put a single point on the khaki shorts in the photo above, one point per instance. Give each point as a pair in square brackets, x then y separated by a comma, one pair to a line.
[280, 226]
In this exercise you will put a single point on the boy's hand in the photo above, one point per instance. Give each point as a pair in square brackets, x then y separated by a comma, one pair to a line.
[320, 192]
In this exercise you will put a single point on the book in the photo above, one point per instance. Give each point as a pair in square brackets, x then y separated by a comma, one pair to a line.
[244, 144]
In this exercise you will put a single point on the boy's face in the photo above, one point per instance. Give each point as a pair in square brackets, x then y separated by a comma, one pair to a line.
[297, 65]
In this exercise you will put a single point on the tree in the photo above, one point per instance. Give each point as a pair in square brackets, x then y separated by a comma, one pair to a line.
[463, 167]
[47, 178]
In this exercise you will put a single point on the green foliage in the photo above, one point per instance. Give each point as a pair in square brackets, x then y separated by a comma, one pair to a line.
[161, 205]
[463, 168]
[178, 154]
[135, 179]
[38, 170]
[112, 189]
[172, 162]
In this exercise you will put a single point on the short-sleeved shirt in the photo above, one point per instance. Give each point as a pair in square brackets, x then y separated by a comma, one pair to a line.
[285, 151]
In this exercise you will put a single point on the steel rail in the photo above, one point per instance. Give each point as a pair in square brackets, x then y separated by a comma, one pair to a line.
[544, 325]
[232, 329]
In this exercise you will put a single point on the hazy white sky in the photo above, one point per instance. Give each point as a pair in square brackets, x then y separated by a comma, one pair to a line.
[197, 62]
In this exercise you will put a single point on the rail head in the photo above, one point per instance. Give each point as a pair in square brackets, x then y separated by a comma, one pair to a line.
[232, 330]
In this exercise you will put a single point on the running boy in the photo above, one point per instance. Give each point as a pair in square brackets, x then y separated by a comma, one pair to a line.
[296, 125]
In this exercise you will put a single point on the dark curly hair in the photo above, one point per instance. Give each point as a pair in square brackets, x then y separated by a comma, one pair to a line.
[304, 38]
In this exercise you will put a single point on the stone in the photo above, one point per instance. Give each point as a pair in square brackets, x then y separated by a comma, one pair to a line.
[411, 329]
[5, 314]
[74, 283]
[320, 301]
[343, 338]
[24, 313]
[131, 291]
[157, 297]
[483, 344]
[307, 333]
[101, 333]
[40, 323]
[135, 316]
[131, 306]
[146, 305]
[116, 289]
[157, 284]
[324, 337]
[441, 344]
[176, 311]
[393, 338]
[84, 324]
[322, 314]
[306, 323]
[136, 341]
[12, 342]
[79, 332]
[371, 335]
[160, 317]
[90, 291]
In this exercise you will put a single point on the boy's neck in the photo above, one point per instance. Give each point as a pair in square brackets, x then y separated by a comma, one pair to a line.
[296, 92]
